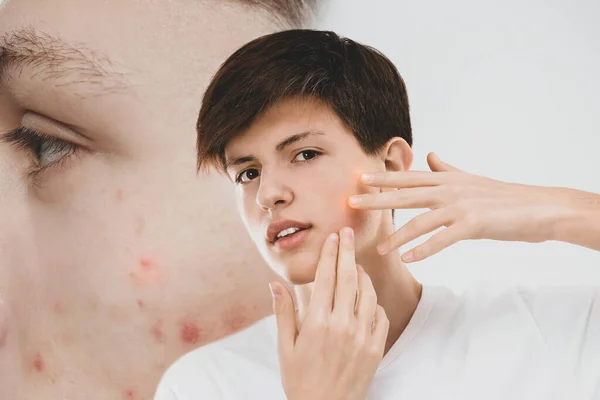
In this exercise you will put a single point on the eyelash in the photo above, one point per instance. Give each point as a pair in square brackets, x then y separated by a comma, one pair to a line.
[317, 153]
[26, 139]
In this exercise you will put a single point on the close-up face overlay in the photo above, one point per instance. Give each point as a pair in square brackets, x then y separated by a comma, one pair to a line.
[116, 257]
[294, 170]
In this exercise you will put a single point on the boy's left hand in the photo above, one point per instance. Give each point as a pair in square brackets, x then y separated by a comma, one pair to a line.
[469, 206]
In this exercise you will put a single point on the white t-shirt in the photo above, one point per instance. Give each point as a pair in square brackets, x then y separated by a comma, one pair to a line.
[484, 344]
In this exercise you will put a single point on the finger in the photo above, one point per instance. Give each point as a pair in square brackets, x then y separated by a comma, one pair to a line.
[412, 198]
[381, 326]
[415, 228]
[441, 240]
[437, 165]
[404, 179]
[321, 299]
[366, 301]
[347, 278]
[285, 314]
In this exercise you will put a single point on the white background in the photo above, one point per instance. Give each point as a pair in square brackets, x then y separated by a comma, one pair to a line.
[508, 89]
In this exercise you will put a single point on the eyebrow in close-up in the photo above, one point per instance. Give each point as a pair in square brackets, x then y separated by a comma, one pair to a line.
[52, 59]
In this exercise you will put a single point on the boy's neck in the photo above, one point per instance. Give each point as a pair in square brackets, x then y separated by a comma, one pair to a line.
[398, 292]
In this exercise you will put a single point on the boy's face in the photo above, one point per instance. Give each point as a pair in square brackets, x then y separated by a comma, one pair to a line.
[297, 165]
[118, 258]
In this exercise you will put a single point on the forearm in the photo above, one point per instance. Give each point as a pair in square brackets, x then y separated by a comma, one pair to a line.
[578, 219]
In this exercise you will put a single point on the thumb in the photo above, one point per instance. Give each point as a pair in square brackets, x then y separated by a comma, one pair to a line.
[437, 165]
[285, 313]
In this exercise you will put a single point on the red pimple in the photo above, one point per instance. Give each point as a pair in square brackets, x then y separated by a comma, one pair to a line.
[190, 333]
[146, 264]
[38, 363]
[119, 195]
[141, 304]
[129, 394]
[147, 272]
[158, 332]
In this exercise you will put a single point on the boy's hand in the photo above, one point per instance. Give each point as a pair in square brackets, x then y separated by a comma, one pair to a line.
[468, 206]
[342, 339]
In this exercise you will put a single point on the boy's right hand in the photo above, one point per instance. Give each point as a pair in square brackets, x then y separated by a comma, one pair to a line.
[343, 334]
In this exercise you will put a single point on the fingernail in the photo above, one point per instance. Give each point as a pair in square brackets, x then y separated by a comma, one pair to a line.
[367, 178]
[276, 294]
[382, 248]
[333, 238]
[354, 200]
[275, 290]
[407, 257]
[348, 233]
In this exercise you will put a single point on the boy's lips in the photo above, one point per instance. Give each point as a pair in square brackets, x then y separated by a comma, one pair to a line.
[276, 227]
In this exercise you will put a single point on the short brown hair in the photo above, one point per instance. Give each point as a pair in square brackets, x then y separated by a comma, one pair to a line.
[294, 12]
[359, 83]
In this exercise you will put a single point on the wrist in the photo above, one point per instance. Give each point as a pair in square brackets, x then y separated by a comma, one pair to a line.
[573, 213]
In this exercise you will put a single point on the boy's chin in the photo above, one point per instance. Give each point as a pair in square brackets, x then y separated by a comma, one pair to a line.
[300, 269]
[300, 280]
[301, 275]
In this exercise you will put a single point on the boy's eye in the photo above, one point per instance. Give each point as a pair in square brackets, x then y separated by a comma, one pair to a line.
[248, 175]
[47, 151]
[306, 155]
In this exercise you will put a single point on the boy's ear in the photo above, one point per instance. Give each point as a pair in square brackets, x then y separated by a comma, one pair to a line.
[397, 155]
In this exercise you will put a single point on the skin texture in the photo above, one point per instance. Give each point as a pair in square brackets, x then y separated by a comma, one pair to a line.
[117, 258]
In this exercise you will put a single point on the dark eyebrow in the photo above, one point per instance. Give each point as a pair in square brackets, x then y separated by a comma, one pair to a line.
[279, 147]
[51, 58]
[295, 138]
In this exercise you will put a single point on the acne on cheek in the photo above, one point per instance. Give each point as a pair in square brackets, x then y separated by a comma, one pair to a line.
[147, 273]
[39, 367]
[190, 332]
[234, 319]
[38, 363]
